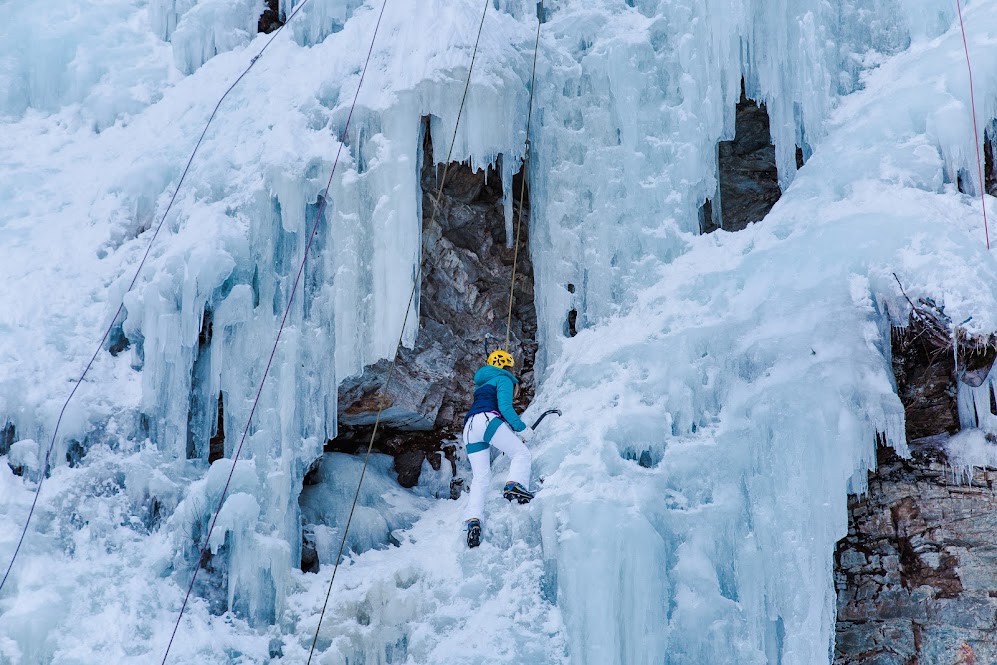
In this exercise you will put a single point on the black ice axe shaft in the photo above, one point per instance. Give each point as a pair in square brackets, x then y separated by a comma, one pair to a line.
[544, 415]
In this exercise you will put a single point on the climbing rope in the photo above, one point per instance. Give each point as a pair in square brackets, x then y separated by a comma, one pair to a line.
[280, 330]
[117, 313]
[398, 346]
[976, 131]
[522, 188]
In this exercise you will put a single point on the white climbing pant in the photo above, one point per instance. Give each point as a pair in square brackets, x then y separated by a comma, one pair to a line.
[505, 440]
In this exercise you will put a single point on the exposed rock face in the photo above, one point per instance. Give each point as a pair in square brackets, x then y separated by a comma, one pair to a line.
[989, 157]
[926, 370]
[271, 18]
[464, 299]
[409, 449]
[917, 573]
[925, 382]
[749, 181]
[8, 436]
[967, 181]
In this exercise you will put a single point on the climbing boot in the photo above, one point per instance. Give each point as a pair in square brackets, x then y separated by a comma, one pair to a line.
[518, 492]
[473, 533]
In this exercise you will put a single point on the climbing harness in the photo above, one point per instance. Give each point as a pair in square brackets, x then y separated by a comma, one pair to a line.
[401, 335]
[493, 426]
[976, 132]
[486, 441]
[280, 330]
[522, 188]
[117, 313]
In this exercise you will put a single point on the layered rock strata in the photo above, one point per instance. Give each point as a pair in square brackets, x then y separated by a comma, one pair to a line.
[916, 575]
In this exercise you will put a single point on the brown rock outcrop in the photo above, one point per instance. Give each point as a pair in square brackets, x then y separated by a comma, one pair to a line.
[464, 296]
[917, 573]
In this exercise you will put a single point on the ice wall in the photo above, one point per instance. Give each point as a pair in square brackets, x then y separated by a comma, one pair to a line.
[632, 99]
[201, 29]
[205, 311]
[349, 308]
[740, 400]
[697, 483]
[101, 60]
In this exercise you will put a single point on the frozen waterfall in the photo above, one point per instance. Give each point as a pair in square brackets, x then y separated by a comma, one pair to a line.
[721, 399]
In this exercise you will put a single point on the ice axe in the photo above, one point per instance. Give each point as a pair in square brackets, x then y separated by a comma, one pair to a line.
[544, 415]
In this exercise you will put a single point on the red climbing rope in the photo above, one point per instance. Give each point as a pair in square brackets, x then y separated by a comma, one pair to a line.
[976, 131]
[117, 313]
[283, 322]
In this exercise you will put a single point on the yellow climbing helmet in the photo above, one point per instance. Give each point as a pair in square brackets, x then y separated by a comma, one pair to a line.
[501, 359]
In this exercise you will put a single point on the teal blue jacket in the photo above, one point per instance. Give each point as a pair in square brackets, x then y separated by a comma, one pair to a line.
[493, 390]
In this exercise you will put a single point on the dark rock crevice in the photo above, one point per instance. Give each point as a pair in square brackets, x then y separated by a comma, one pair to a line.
[749, 180]
[216, 444]
[572, 323]
[968, 180]
[926, 371]
[8, 435]
[117, 341]
[925, 382]
[271, 18]
[202, 425]
[989, 158]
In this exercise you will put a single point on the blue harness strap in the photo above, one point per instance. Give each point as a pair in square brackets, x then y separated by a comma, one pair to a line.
[493, 426]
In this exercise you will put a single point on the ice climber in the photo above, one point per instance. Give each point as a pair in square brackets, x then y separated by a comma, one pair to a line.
[492, 421]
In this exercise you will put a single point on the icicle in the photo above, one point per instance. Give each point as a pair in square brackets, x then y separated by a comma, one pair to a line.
[508, 196]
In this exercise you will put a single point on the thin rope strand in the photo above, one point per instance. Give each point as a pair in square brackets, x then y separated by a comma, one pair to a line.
[398, 346]
[273, 351]
[117, 313]
[976, 131]
[522, 188]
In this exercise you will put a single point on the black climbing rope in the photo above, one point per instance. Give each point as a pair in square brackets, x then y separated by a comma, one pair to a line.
[398, 346]
[522, 188]
[273, 351]
[121, 306]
